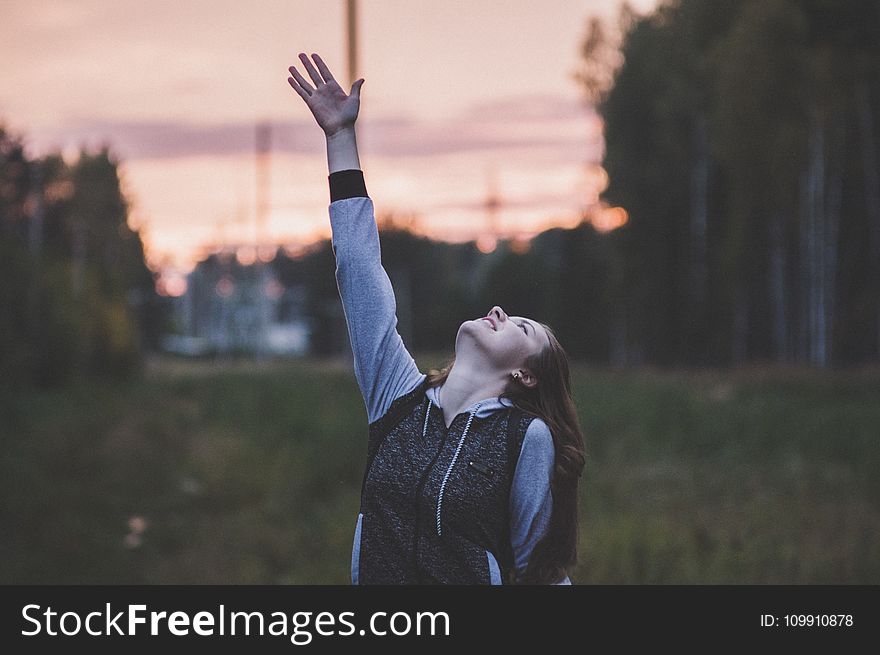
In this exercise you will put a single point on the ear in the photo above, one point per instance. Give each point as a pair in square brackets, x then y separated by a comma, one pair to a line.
[528, 379]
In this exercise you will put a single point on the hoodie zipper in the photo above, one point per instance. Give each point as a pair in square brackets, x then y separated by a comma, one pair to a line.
[449, 470]
[421, 484]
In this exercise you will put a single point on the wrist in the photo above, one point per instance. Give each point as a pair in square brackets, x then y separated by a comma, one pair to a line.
[344, 132]
[342, 151]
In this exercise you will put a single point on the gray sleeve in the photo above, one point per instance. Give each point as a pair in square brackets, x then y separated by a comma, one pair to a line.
[383, 367]
[531, 501]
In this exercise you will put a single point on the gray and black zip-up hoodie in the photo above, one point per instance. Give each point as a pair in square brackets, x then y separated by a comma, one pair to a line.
[459, 505]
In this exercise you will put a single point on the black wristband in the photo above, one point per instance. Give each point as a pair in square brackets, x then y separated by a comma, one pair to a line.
[347, 184]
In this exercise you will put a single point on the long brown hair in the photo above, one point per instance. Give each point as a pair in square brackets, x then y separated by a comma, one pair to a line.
[550, 400]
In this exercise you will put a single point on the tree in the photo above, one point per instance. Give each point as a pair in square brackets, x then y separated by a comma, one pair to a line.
[79, 298]
[754, 226]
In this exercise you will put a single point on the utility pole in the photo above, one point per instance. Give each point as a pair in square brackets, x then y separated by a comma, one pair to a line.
[351, 33]
[351, 20]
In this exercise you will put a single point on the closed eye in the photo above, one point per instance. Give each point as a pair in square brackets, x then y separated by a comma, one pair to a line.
[522, 326]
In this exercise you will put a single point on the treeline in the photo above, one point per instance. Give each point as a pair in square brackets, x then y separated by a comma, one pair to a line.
[742, 138]
[76, 297]
[563, 279]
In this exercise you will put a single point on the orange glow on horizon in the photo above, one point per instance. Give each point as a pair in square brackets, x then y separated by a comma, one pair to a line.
[486, 243]
[266, 253]
[520, 245]
[246, 255]
[607, 219]
[171, 285]
[598, 177]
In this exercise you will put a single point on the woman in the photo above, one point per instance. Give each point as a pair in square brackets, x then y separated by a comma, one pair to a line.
[472, 471]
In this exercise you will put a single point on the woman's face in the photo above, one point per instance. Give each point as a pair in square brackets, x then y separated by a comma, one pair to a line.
[505, 340]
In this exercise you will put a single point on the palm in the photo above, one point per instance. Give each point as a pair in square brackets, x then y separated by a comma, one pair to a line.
[332, 108]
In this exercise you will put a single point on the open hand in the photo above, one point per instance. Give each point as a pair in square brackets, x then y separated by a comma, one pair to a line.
[331, 107]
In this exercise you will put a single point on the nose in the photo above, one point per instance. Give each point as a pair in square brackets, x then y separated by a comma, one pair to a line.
[498, 313]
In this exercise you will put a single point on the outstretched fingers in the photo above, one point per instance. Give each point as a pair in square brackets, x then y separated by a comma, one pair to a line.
[310, 69]
[296, 87]
[322, 67]
[299, 84]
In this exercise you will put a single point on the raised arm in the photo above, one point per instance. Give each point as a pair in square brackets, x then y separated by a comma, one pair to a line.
[383, 367]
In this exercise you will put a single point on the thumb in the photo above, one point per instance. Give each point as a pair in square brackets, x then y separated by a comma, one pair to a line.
[356, 88]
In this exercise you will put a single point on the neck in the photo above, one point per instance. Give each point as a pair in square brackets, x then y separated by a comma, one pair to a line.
[464, 386]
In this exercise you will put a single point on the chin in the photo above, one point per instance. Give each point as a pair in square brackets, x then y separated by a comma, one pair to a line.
[469, 330]
[477, 326]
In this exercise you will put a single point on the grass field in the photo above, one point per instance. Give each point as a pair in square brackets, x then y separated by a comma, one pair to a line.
[250, 473]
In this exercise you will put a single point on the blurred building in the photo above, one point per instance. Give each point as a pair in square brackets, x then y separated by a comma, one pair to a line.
[231, 308]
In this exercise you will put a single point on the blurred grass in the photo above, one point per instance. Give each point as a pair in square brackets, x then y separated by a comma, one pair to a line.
[204, 473]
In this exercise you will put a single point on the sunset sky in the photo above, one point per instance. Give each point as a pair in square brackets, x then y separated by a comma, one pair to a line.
[459, 95]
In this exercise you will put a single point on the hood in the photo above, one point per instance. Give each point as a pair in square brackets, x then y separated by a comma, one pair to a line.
[489, 406]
